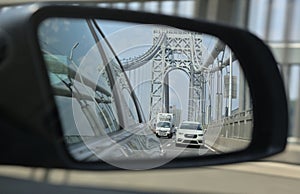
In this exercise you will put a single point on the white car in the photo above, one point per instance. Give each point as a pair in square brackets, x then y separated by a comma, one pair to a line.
[190, 133]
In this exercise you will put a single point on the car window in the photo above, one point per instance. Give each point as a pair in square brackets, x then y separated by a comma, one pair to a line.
[89, 85]
[163, 124]
[191, 126]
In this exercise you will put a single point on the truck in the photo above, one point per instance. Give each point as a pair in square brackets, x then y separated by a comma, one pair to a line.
[165, 125]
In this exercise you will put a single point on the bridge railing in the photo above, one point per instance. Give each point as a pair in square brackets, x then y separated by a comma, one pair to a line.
[238, 126]
[231, 133]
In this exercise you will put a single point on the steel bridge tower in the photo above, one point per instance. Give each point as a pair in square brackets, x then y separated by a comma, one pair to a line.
[180, 50]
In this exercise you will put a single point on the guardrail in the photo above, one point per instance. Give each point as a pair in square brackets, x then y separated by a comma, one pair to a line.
[238, 126]
[231, 133]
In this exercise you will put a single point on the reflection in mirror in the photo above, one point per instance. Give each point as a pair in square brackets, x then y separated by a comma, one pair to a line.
[131, 91]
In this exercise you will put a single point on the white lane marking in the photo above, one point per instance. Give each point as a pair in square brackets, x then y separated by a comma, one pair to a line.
[208, 147]
[168, 145]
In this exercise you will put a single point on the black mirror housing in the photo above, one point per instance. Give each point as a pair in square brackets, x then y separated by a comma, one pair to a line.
[29, 117]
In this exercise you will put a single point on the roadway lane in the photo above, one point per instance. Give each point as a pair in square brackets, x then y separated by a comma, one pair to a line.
[172, 150]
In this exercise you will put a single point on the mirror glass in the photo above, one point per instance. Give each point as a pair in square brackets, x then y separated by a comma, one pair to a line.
[134, 91]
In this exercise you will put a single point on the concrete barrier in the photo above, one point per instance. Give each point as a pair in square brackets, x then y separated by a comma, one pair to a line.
[231, 133]
[226, 145]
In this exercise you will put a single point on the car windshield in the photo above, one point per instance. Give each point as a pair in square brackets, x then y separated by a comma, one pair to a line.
[191, 126]
[163, 124]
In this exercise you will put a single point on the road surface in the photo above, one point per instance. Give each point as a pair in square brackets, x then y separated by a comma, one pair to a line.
[172, 150]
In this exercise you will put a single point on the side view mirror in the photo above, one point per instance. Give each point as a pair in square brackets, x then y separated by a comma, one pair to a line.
[93, 81]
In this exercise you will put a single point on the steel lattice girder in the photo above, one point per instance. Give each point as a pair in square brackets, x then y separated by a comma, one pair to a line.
[180, 50]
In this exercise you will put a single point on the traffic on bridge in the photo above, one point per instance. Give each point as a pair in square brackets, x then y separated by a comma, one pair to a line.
[181, 76]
